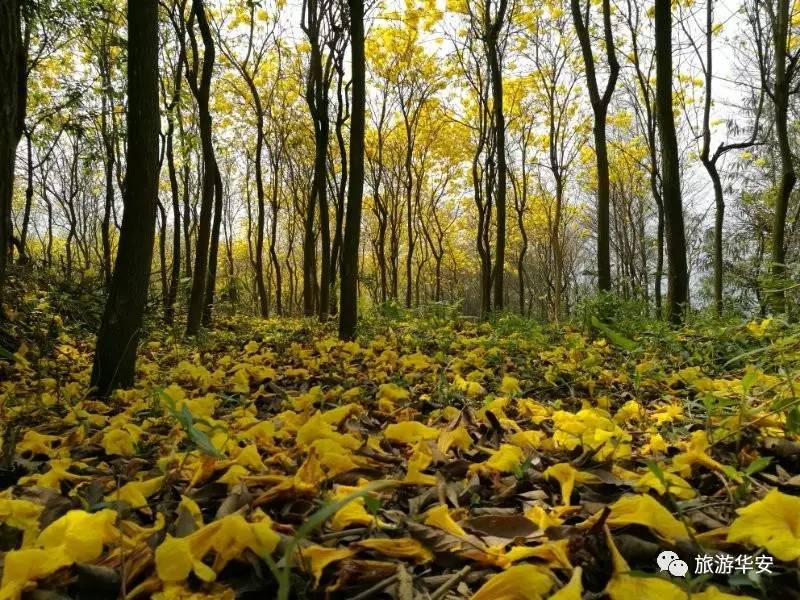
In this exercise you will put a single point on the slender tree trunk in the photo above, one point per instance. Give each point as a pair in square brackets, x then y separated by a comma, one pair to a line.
[13, 92]
[26, 217]
[600, 109]
[409, 189]
[162, 252]
[213, 253]
[677, 275]
[500, 150]
[120, 328]
[108, 166]
[259, 250]
[175, 271]
[201, 91]
[348, 311]
[788, 177]
[321, 167]
[341, 191]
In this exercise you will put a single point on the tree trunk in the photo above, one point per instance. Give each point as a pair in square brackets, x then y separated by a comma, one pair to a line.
[201, 91]
[788, 177]
[600, 109]
[500, 150]
[259, 249]
[26, 217]
[108, 166]
[677, 274]
[13, 85]
[175, 271]
[348, 311]
[120, 328]
[341, 190]
[213, 253]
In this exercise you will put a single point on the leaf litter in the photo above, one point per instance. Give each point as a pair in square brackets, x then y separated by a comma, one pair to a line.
[428, 459]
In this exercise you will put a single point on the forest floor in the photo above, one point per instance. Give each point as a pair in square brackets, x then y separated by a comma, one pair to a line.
[434, 457]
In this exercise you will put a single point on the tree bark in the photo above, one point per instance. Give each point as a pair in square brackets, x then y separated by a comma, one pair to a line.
[213, 253]
[201, 89]
[348, 309]
[600, 109]
[677, 274]
[788, 177]
[120, 329]
[496, 74]
[13, 86]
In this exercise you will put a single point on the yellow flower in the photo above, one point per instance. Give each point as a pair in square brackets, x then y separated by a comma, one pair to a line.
[624, 586]
[420, 460]
[641, 509]
[319, 557]
[759, 329]
[228, 537]
[504, 460]
[696, 453]
[470, 388]
[529, 440]
[261, 433]
[510, 385]
[250, 458]
[668, 413]
[567, 476]
[23, 566]
[333, 457]
[678, 486]
[520, 582]
[336, 415]
[773, 523]
[80, 534]
[37, 443]
[398, 548]
[175, 559]
[190, 507]
[233, 476]
[555, 553]
[458, 437]
[119, 442]
[135, 493]
[628, 411]
[391, 392]
[317, 429]
[573, 590]
[409, 432]
[543, 519]
[656, 444]
[306, 401]
[439, 516]
[22, 515]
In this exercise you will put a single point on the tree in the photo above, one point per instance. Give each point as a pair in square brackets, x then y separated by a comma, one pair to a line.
[555, 77]
[321, 23]
[600, 108]
[201, 90]
[348, 310]
[495, 25]
[171, 103]
[491, 21]
[785, 59]
[677, 275]
[479, 123]
[12, 116]
[248, 68]
[710, 160]
[120, 329]
[644, 109]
